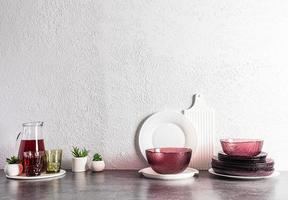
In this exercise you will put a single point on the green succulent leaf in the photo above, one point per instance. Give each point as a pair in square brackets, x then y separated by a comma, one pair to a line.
[13, 160]
[77, 153]
[97, 157]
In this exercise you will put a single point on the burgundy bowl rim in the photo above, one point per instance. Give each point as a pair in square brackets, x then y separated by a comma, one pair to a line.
[185, 150]
[240, 140]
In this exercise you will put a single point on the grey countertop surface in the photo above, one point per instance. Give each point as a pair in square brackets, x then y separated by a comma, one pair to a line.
[130, 185]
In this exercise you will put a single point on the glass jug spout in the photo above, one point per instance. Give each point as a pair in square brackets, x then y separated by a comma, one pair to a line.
[33, 131]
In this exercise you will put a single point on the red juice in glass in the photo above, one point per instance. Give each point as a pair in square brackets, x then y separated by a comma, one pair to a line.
[33, 162]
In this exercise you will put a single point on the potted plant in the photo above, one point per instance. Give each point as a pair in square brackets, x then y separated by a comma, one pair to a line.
[98, 163]
[13, 166]
[79, 160]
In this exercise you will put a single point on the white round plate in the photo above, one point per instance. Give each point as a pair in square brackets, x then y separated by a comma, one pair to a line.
[42, 176]
[167, 129]
[211, 171]
[150, 173]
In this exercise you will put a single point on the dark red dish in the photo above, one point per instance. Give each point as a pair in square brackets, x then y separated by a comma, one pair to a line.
[244, 173]
[170, 160]
[242, 147]
[260, 158]
[267, 165]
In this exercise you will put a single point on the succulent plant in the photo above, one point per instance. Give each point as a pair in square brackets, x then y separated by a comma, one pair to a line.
[13, 160]
[78, 153]
[97, 157]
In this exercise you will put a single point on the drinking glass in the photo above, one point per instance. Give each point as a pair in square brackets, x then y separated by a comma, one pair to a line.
[33, 161]
[53, 160]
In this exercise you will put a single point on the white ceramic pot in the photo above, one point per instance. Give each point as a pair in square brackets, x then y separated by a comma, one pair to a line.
[13, 169]
[79, 164]
[98, 166]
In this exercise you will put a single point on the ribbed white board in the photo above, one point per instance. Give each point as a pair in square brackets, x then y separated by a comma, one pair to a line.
[202, 117]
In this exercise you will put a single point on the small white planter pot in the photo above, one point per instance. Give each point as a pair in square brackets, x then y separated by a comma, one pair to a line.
[13, 169]
[79, 164]
[98, 166]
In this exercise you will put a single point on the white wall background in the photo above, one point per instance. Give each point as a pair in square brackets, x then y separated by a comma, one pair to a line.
[92, 70]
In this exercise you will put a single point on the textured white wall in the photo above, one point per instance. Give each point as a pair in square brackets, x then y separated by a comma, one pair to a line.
[92, 70]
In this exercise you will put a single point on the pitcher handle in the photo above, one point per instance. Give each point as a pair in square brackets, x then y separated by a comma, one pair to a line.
[18, 136]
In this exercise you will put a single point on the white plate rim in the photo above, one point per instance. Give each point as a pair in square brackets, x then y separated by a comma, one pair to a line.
[155, 175]
[188, 134]
[274, 174]
[45, 176]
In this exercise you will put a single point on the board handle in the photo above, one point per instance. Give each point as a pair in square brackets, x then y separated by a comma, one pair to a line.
[198, 101]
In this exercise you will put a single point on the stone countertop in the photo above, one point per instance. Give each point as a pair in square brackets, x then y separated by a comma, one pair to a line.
[130, 185]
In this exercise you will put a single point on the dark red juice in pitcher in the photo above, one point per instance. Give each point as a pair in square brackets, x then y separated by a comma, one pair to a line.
[30, 145]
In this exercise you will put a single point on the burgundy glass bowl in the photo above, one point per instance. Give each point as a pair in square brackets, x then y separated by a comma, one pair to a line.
[242, 147]
[169, 160]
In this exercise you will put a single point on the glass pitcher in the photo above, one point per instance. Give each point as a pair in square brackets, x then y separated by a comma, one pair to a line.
[31, 138]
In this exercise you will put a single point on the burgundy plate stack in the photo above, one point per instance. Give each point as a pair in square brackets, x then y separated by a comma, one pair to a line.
[242, 157]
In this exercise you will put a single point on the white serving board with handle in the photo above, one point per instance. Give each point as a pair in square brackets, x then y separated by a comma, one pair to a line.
[203, 119]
